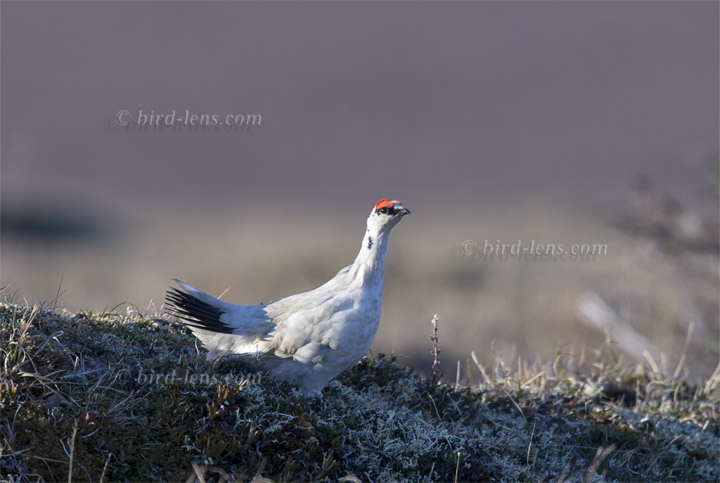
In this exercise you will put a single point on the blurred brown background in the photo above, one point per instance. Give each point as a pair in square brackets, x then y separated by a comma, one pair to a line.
[558, 122]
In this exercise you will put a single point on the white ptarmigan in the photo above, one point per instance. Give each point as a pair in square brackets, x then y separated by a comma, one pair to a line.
[308, 338]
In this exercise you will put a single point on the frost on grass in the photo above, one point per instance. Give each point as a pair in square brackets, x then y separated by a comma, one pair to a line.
[124, 397]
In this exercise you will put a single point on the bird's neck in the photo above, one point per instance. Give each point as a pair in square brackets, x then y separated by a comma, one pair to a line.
[366, 272]
[372, 251]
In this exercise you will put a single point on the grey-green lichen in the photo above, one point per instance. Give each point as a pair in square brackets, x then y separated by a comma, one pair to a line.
[127, 397]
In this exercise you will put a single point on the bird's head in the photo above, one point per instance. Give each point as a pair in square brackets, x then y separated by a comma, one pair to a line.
[385, 215]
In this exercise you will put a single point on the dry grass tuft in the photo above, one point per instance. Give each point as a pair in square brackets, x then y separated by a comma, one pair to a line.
[104, 396]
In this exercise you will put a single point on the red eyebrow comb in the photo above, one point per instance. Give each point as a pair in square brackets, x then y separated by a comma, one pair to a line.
[383, 204]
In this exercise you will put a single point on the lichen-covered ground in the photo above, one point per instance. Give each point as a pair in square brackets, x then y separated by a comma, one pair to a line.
[124, 397]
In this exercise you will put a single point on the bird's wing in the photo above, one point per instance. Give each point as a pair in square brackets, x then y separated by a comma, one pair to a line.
[304, 323]
[297, 326]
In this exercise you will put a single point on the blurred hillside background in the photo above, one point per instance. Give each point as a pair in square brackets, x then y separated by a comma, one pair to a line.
[558, 122]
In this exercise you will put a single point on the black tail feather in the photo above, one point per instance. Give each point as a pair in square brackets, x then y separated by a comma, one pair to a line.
[195, 313]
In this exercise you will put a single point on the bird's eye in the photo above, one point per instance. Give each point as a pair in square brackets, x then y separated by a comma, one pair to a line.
[384, 211]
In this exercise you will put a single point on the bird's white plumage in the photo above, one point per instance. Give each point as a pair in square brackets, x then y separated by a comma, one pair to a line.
[308, 338]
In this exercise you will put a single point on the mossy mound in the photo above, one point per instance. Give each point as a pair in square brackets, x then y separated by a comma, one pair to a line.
[124, 397]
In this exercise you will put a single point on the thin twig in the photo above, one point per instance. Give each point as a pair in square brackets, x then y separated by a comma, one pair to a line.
[435, 353]
[527, 458]
[57, 296]
[72, 451]
[457, 466]
[487, 379]
[199, 472]
[683, 357]
[457, 376]
[107, 461]
[600, 455]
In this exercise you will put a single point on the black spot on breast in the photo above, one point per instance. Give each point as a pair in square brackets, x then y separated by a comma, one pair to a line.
[370, 242]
